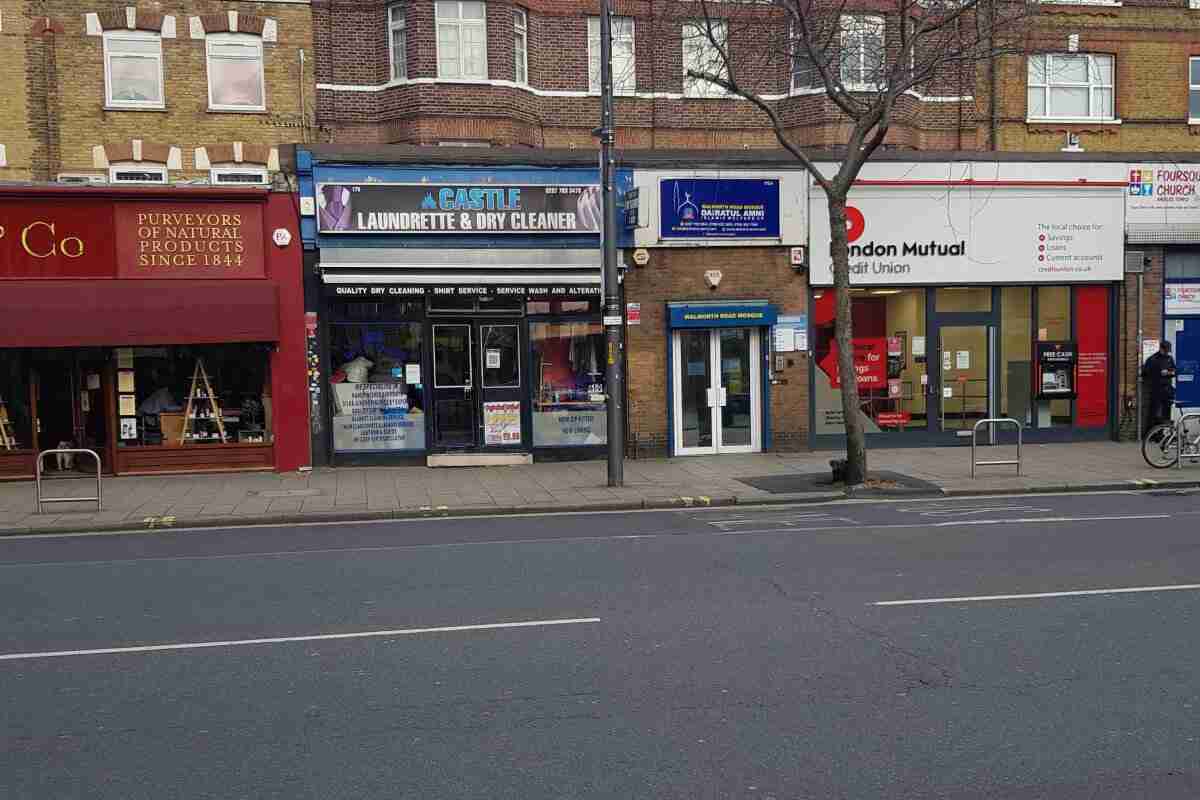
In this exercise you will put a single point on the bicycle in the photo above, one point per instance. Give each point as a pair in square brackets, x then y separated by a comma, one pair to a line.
[1161, 446]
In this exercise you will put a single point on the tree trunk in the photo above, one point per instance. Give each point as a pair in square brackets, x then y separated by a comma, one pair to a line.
[856, 445]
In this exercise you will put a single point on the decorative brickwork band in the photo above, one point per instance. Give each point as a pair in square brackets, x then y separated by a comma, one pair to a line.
[129, 18]
[233, 22]
[136, 150]
[238, 153]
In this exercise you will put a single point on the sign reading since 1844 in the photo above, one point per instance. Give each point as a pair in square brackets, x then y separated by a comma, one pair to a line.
[189, 241]
[453, 209]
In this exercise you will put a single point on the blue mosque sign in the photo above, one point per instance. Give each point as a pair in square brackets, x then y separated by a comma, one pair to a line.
[719, 208]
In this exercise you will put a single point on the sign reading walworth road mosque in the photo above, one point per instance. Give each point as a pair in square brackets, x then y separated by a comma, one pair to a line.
[427, 208]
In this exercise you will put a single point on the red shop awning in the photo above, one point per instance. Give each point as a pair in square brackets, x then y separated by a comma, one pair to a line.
[108, 312]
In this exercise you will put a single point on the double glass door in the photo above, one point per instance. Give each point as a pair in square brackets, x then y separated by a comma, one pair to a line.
[477, 384]
[967, 353]
[717, 391]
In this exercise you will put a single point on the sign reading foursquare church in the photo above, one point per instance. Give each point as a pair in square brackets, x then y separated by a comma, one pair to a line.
[431, 208]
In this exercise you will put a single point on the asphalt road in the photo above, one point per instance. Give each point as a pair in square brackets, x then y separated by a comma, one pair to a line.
[719, 653]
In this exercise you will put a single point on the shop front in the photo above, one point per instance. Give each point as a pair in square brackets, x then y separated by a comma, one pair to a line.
[1163, 235]
[460, 316]
[971, 301]
[160, 328]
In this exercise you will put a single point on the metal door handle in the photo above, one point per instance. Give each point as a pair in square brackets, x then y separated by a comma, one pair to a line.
[724, 396]
[708, 394]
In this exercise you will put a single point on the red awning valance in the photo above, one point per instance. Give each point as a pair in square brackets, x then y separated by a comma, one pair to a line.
[134, 312]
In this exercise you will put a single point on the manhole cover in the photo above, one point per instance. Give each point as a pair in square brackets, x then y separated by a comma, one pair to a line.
[290, 493]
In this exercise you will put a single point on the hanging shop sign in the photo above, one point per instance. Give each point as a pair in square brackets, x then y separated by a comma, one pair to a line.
[966, 234]
[719, 208]
[734, 315]
[456, 209]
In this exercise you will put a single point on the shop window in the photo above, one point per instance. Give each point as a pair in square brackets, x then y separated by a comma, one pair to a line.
[501, 356]
[398, 42]
[890, 356]
[705, 47]
[461, 39]
[377, 393]
[1054, 325]
[624, 68]
[184, 396]
[1070, 86]
[235, 72]
[16, 416]
[805, 74]
[963, 299]
[133, 69]
[586, 306]
[862, 53]
[1183, 264]
[389, 310]
[569, 390]
[1194, 90]
[452, 302]
[521, 46]
[1016, 353]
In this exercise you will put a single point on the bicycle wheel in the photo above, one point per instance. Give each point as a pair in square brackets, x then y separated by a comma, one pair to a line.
[1160, 448]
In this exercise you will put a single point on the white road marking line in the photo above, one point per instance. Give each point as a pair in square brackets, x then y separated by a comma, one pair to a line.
[1038, 595]
[154, 648]
[952, 512]
[958, 523]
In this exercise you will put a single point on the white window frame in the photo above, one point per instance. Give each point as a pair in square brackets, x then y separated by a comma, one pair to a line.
[137, 166]
[624, 55]
[1193, 88]
[694, 35]
[237, 38]
[127, 35]
[397, 17]
[459, 25]
[521, 50]
[261, 173]
[1092, 86]
[798, 59]
[859, 28]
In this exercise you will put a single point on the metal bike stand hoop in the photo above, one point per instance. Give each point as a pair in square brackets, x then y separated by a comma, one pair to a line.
[38, 473]
[1182, 440]
[975, 435]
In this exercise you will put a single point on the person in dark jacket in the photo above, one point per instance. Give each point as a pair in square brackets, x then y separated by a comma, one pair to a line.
[1158, 374]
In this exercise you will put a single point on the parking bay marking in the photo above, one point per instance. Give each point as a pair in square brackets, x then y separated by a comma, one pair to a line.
[1038, 595]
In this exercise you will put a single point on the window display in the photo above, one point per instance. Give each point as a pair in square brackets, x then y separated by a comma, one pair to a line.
[193, 395]
[889, 357]
[569, 392]
[377, 393]
[14, 403]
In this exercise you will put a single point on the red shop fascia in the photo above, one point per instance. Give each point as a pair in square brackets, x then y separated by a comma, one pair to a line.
[162, 327]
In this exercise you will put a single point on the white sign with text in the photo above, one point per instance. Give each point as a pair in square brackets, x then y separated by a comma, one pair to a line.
[963, 234]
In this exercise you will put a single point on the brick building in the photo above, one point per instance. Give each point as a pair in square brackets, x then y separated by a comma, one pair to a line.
[507, 74]
[162, 93]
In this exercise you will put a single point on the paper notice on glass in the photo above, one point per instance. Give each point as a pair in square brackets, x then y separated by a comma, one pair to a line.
[129, 428]
[946, 360]
[785, 339]
[124, 358]
[93, 381]
[1043, 334]
[925, 379]
[502, 423]
[125, 381]
[802, 340]
[128, 405]
[493, 359]
[412, 373]
[947, 392]
[85, 401]
[918, 346]
[1149, 348]
[963, 360]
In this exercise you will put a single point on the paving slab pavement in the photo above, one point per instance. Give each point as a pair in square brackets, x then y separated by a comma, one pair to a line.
[345, 494]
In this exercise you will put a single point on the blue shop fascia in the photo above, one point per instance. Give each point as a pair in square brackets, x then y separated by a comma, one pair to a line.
[454, 309]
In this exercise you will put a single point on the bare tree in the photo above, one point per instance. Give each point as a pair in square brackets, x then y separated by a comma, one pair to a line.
[864, 58]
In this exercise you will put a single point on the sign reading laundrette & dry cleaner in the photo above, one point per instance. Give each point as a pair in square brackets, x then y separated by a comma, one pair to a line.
[941, 234]
[428, 208]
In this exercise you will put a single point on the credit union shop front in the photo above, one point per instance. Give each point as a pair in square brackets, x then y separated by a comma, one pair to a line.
[974, 302]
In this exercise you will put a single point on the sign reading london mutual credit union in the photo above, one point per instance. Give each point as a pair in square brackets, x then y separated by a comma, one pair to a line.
[428, 208]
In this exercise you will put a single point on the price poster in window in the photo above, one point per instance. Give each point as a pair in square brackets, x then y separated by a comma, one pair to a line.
[502, 423]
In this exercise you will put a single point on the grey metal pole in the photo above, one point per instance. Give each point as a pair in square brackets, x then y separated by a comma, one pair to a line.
[1137, 359]
[613, 318]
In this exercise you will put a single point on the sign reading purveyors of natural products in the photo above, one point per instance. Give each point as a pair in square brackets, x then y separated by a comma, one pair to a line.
[428, 208]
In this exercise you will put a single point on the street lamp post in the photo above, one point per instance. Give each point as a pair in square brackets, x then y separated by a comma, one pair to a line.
[614, 330]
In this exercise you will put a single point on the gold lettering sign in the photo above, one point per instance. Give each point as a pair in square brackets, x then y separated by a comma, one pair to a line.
[70, 246]
[171, 239]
